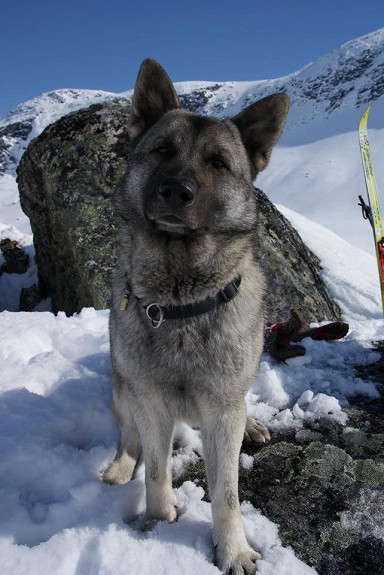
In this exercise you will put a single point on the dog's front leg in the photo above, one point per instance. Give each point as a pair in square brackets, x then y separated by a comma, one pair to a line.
[222, 434]
[155, 427]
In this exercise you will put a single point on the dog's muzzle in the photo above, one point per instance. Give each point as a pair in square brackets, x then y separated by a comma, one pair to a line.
[169, 206]
[176, 193]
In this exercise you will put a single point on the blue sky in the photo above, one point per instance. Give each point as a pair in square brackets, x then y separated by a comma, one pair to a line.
[99, 44]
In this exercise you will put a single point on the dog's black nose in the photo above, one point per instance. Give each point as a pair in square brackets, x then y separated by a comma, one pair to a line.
[176, 192]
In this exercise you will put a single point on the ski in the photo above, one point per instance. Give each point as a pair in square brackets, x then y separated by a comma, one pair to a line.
[372, 211]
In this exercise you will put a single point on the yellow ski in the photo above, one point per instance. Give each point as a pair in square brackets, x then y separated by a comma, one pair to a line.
[372, 211]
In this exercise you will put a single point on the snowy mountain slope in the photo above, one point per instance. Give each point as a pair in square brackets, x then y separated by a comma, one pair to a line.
[350, 76]
[322, 179]
[30, 118]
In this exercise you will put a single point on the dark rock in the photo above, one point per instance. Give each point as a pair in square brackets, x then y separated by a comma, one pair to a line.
[11, 134]
[361, 558]
[29, 298]
[325, 489]
[16, 260]
[292, 270]
[66, 178]
[196, 100]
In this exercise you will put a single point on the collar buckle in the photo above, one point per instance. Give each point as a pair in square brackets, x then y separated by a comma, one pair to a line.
[230, 291]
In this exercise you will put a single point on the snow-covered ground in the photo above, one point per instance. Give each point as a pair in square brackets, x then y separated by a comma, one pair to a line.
[56, 429]
[57, 434]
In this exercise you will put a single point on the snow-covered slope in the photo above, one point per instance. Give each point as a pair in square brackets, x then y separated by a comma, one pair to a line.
[30, 118]
[57, 433]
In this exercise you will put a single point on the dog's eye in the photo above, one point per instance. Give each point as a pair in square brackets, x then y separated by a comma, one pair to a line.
[162, 150]
[218, 162]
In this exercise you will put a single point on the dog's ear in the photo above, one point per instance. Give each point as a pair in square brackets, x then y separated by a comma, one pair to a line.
[260, 126]
[154, 95]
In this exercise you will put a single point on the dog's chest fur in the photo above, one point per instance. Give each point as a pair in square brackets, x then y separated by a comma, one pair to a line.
[197, 355]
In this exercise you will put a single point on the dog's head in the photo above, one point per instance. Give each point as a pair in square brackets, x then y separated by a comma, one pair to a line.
[190, 175]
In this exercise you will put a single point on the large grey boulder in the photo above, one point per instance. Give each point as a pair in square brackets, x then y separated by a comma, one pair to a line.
[66, 178]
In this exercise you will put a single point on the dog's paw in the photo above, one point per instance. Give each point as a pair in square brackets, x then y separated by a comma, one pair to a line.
[120, 471]
[243, 563]
[256, 432]
[161, 508]
[169, 515]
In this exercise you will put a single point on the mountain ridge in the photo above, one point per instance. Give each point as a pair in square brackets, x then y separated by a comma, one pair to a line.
[331, 79]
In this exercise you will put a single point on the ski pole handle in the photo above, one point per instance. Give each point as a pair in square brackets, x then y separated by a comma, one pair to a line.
[366, 210]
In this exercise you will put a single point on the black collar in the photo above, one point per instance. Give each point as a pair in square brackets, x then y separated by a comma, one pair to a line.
[158, 313]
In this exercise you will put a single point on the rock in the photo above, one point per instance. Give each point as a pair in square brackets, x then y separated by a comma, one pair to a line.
[65, 189]
[361, 558]
[324, 487]
[293, 272]
[326, 495]
[29, 298]
[16, 260]
[66, 178]
[13, 135]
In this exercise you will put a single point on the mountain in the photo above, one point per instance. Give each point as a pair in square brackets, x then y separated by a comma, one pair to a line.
[316, 165]
[29, 119]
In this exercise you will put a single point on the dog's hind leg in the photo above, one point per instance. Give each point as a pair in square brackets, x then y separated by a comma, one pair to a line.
[222, 433]
[123, 466]
[256, 432]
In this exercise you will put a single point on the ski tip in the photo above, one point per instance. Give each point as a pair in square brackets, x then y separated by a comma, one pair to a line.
[364, 118]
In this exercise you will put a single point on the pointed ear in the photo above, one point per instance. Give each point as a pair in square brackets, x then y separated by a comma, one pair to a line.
[260, 127]
[154, 95]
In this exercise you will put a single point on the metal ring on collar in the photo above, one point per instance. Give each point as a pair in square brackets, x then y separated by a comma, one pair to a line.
[158, 318]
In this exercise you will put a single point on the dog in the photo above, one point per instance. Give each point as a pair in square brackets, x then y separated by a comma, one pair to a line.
[186, 321]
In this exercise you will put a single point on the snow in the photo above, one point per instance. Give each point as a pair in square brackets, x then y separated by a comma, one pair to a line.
[322, 178]
[48, 107]
[57, 432]
[347, 269]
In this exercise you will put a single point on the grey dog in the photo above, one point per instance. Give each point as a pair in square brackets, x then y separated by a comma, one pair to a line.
[186, 323]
